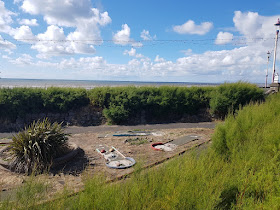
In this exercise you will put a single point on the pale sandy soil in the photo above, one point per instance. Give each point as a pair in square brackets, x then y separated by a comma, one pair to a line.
[89, 163]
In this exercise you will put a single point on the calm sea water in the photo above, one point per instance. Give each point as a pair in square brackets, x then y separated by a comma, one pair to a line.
[89, 84]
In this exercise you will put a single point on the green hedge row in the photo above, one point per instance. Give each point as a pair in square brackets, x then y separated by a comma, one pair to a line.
[119, 104]
[17, 102]
[122, 103]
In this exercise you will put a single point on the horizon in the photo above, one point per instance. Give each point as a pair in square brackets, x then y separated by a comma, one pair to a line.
[143, 41]
[76, 80]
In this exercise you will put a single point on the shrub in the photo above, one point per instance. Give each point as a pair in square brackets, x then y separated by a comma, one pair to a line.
[228, 97]
[64, 99]
[36, 146]
[117, 114]
[19, 101]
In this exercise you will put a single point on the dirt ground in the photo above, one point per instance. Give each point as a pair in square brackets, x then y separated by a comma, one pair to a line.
[89, 163]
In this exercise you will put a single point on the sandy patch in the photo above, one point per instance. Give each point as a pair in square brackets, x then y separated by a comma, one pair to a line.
[90, 163]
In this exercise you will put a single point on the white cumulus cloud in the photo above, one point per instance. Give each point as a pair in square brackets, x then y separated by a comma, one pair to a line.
[77, 14]
[5, 18]
[28, 22]
[191, 28]
[23, 33]
[23, 60]
[122, 37]
[145, 35]
[132, 52]
[52, 42]
[62, 12]
[6, 45]
[158, 59]
[224, 38]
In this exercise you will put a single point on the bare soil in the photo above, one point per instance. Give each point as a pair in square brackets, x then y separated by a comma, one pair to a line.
[88, 162]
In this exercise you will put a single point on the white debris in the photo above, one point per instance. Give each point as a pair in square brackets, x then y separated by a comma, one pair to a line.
[118, 163]
[166, 147]
[158, 133]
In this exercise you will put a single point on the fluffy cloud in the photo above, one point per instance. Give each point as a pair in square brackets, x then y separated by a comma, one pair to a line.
[77, 14]
[145, 35]
[222, 65]
[191, 28]
[23, 60]
[5, 18]
[158, 59]
[224, 38]
[23, 33]
[6, 45]
[52, 42]
[62, 13]
[132, 52]
[255, 27]
[32, 22]
[88, 28]
[122, 37]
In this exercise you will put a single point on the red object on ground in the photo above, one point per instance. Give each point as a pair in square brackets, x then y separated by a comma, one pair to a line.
[155, 144]
[102, 151]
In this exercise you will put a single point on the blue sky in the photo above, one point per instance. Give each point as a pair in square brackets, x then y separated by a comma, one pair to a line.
[171, 41]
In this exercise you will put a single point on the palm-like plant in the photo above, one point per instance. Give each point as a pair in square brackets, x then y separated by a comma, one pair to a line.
[37, 146]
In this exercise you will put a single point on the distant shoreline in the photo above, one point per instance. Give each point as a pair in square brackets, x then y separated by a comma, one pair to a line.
[89, 84]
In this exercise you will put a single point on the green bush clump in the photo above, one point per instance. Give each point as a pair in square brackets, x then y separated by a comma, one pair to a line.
[228, 97]
[19, 101]
[64, 99]
[35, 147]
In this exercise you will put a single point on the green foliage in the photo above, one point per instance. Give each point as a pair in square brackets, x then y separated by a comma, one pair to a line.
[17, 102]
[159, 103]
[36, 146]
[120, 104]
[228, 97]
[64, 99]
[116, 114]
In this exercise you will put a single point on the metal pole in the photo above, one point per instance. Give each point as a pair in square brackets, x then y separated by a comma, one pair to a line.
[266, 76]
[274, 60]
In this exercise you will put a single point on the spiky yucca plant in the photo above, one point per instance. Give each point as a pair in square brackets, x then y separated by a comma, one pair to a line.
[36, 146]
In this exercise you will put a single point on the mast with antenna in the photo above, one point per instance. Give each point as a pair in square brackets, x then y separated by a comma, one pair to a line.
[275, 49]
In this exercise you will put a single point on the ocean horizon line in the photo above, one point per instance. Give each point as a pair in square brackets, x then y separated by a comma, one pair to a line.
[88, 84]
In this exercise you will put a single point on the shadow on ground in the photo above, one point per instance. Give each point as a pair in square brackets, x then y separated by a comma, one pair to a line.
[73, 167]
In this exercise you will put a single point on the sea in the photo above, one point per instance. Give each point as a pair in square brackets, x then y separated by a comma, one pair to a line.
[89, 84]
